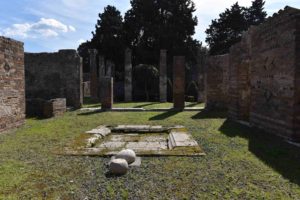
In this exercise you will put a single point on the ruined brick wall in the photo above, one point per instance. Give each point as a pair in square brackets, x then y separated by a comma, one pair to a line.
[239, 79]
[12, 84]
[216, 81]
[297, 82]
[275, 74]
[54, 75]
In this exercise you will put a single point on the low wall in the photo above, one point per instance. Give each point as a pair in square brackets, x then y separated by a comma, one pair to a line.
[54, 75]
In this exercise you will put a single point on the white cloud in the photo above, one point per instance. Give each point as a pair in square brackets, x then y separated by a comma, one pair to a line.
[72, 28]
[43, 28]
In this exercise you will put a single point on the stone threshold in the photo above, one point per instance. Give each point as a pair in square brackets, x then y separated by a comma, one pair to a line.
[145, 140]
[143, 109]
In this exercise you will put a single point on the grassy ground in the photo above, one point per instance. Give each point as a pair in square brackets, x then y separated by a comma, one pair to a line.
[147, 105]
[241, 163]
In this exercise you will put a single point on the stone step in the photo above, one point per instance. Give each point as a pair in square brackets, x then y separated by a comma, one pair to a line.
[181, 139]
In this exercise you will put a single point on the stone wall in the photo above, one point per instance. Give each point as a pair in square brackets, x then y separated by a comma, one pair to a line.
[54, 75]
[275, 74]
[216, 78]
[264, 76]
[239, 79]
[12, 84]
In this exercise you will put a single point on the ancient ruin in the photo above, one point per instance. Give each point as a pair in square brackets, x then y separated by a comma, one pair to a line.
[128, 75]
[179, 82]
[163, 76]
[107, 95]
[12, 84]
[54, 75]
[94, 74]
[142, 139]
[263, 86]
[216, 77]
[54, 108]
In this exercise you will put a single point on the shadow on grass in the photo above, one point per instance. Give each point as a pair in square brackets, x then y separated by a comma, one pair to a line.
[272, 150]
[205, 114]
[191, 105]
[165, 115]
[90, 101]
[147, 104]
[91, 112]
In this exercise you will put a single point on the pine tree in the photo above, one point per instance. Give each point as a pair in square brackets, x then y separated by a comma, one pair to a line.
[162, 24]
[107, 38]
[256, 13]
[228, 28]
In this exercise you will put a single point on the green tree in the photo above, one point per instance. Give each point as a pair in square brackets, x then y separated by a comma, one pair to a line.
[107, 38]
[228, 28]
[163, 24]
[83, 51]
[256, 14]
[146, 78]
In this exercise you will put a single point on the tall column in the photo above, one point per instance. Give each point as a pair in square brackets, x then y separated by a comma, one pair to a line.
[200, 75]
[109, 68]
[101, 66]
[178, 82]
[107, 95]
[101, 73]
[163, 76]
[128, 75]
[93, 71]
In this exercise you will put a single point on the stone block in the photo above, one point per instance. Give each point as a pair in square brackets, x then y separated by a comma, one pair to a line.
[54, 107]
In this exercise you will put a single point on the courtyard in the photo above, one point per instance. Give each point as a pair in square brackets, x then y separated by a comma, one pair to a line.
[240, 162]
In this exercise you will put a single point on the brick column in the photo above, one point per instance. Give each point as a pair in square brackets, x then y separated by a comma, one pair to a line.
[93, 71]
[163, 76]
[128, 75]
[101, 73]
[200, 75]
[178, 82]
[107, 93]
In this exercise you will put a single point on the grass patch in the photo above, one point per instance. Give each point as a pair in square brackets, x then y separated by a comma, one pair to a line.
[241, 163]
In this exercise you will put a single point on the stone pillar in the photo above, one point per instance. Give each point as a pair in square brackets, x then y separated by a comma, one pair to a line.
[200, 75]
[178, 82]
[128, 75]
[101, 66]
[109, 68]
[107, 93]
[101, 73]
[93, 71]
[163, 76]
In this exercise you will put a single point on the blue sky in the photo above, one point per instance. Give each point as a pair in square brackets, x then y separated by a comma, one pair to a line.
[49, 25]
